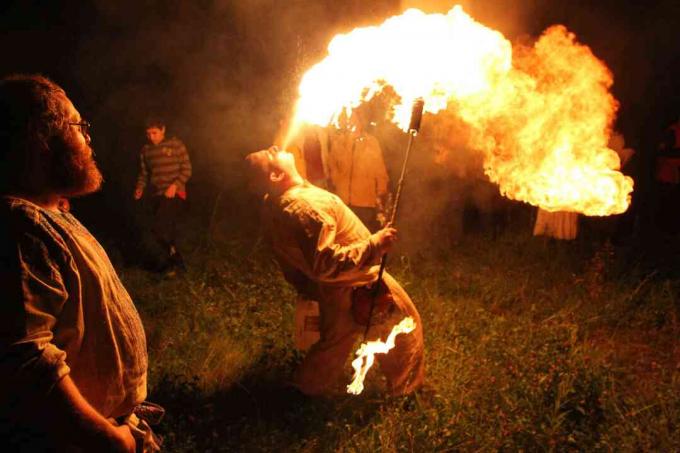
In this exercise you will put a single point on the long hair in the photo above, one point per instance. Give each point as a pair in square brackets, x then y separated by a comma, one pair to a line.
[32, 117]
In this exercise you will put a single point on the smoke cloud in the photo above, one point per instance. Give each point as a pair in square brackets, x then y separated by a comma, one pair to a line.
[223, 72]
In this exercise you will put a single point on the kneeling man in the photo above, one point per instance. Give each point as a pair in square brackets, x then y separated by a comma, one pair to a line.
[326, 253]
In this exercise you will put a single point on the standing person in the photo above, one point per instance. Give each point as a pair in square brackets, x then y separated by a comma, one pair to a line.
[621, 226]
[165, 165]
[326, 253]
[72, 346]
[357, 170]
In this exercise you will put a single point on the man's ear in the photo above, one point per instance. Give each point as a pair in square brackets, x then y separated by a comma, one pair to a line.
[276, 177]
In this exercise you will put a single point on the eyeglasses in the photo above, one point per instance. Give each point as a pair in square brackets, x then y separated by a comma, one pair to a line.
[84, 127]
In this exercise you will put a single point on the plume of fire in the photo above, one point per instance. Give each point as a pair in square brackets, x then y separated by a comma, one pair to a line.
[541, 115]
[367, 351]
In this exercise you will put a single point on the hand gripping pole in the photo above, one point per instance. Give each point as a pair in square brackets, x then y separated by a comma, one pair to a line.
[413, 128]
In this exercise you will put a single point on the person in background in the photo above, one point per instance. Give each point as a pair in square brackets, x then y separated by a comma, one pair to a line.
[327, 254]
[561, 225]
[618, 144]
[672, 139]
[73, 359]
[619, 227]
[357, 170]
[564, 225]
[165, 167]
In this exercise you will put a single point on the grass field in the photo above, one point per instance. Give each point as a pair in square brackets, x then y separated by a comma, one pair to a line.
[530, 346]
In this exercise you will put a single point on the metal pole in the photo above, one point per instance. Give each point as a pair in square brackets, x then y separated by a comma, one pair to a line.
[414, 127]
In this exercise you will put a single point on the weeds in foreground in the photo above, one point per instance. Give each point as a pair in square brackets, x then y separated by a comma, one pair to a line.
[528, 348]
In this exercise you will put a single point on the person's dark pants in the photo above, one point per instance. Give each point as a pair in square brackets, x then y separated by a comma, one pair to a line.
[166, 213]
[368, 217]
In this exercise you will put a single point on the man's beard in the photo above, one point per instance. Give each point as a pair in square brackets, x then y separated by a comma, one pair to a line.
[74, 171]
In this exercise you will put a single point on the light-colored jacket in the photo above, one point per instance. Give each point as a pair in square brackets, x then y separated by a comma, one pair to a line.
[357, 169]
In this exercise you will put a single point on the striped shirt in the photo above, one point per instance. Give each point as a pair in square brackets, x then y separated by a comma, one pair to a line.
[164, 164]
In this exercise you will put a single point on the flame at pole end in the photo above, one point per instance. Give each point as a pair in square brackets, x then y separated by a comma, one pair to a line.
[366, 354]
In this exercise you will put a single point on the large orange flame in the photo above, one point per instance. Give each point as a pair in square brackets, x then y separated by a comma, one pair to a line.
[541, 117]
[367, 351]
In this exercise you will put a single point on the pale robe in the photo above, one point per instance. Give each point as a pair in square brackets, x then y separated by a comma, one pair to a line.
[64, 311]
[324, 251]
[559, 225]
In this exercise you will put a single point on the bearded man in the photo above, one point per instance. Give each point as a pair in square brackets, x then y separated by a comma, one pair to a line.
[73, 354]
[328, 255]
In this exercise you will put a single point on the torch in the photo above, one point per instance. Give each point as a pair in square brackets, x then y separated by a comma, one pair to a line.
[413, 128]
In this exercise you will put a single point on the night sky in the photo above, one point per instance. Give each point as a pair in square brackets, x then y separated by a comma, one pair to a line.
[222, 72]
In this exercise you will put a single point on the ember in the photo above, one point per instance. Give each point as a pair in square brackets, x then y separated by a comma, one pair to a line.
[541, 116]
[367, 351]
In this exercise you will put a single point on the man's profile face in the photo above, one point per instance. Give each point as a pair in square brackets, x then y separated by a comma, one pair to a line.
[265, 166]
[74, 171]
[155, 135]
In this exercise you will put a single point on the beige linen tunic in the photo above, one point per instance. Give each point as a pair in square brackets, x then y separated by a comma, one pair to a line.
[324, 251]
[64, 310]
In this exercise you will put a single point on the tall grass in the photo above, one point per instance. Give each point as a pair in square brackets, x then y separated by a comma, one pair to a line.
[530, 346]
